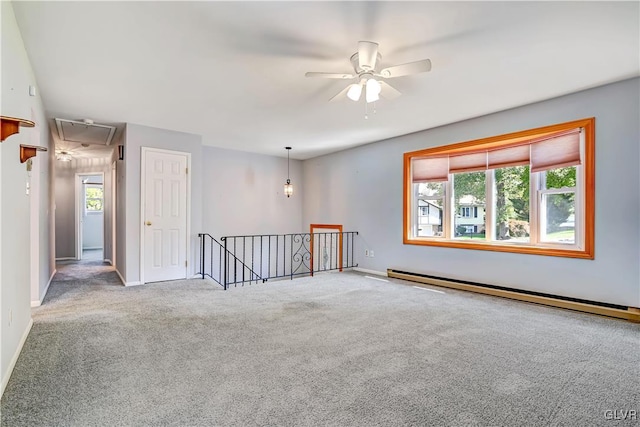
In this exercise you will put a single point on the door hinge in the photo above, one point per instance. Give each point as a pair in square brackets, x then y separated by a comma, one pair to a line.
[185, 264]
[186, 170]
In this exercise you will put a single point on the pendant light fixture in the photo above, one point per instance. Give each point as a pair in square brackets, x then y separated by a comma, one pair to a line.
[288, 186]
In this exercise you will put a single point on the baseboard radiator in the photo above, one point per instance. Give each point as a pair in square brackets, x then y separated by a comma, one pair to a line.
[604, 309]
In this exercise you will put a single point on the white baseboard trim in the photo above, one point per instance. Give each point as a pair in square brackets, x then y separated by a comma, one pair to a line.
[124, 282]
[108, 261]
[14, 359]
[66, 258]
[365, 270]
[44, 294]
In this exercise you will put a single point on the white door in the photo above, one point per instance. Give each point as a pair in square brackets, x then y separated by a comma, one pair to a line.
[164, 215]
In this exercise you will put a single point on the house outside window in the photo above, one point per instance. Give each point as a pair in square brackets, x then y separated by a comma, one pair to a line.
[526, 192]
[429, 216]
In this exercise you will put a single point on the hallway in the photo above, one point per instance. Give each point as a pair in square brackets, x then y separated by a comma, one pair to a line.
[90, 271]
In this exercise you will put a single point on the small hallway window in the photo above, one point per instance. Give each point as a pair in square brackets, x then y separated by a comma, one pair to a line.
[93, 198]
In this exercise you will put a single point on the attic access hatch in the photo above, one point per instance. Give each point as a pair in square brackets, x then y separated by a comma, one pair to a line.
[84, 132]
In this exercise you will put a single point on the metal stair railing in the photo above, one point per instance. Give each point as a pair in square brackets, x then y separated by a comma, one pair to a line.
[236, 260]
[220, 261]
[274, 256]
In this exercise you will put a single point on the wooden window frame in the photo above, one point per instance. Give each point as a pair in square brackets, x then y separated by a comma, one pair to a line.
[587, 251]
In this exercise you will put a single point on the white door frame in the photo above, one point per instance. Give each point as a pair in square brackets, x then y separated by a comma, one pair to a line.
[80, 210]
[143, 188]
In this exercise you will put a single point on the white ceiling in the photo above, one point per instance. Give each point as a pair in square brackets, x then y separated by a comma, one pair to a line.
[234, 72]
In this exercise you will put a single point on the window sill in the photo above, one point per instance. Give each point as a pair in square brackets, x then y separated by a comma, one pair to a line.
[514, 247]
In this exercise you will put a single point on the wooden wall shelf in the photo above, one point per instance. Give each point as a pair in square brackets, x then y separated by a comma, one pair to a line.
[11, 125]
[28, 151]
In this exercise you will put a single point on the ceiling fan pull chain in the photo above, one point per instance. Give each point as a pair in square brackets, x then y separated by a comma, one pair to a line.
[366, 116]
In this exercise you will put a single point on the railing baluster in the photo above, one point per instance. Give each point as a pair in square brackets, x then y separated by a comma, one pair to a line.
[330, 250]
[324, 248]
[269, 258]
[226, 260]
[235, 263]
[252, 252]
[347, 249]
[244, 254]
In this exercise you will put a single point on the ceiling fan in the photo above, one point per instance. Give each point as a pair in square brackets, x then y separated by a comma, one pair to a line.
[365, 63]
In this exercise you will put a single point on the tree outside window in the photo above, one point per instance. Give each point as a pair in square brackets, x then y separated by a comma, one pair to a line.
[94, 198]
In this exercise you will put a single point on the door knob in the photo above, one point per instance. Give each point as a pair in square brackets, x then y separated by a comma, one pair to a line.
[147, 223]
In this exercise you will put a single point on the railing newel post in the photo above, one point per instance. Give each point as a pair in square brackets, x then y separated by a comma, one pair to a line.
[226, 261]
[201, 236]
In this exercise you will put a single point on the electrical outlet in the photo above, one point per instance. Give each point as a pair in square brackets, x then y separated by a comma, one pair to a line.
[371, 254]
[366, 252]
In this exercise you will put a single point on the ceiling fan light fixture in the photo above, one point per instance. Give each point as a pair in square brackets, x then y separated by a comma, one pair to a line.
[354, 92]
[63, 156]
[373, 90]
[365, 63]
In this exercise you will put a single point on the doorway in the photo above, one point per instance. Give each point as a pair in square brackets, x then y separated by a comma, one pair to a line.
[90, 216]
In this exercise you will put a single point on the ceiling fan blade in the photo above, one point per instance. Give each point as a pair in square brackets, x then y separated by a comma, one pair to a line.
[406, 69]
[341, 95]
[387, 91]
[330, 75]
[367, 55]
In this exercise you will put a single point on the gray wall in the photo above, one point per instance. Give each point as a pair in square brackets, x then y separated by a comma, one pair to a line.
[243, 194]
[136, 137]
[362, 189]
[17, 238]
[65, 211]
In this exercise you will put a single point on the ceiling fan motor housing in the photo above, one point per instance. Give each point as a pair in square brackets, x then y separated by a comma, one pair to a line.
[355, 62]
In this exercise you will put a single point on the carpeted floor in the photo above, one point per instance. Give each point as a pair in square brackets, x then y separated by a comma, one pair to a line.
[338, 349]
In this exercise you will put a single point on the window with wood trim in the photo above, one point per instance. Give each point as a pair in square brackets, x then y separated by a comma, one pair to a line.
[525, 192]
